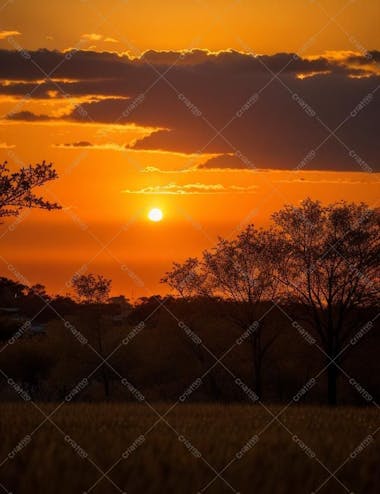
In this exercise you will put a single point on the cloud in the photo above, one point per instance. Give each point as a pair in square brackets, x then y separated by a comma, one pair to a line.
[327, 181]
[98, 37]
[192, 188]
[154, 169]
[78, 144]
[86, 144]
[100, 67]
[4, 145]
[227, 162]
[28, 116]
[92, 37]
[6, 34]
[319, 113]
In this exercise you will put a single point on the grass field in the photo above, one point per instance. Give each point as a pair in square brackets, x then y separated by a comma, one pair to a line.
[138, 453]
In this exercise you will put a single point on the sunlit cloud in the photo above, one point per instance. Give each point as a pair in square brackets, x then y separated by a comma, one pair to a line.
[95, 37]
[6, 34]
[98, 37]
[92, 37]
[192, 188]
[154, 169]
[306, 75]
[109, 146]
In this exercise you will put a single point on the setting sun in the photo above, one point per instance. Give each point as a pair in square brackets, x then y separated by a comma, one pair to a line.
[155, 214]
[190, 246]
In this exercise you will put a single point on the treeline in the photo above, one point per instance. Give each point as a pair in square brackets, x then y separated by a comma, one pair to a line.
[277, 314]
[198, 355]
[319, 265]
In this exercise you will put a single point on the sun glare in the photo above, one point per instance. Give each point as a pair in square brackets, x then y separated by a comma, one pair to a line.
[155, 214]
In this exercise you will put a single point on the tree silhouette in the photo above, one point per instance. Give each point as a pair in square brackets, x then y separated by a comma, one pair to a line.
[10, 292]
[241, 270]
[331, 268]
[93, 290]
[187, 278]
[17, 188]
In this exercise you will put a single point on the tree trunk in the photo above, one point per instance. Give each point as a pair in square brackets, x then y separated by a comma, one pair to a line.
[215, 390]
[105, 382]
[257, 363]
[211, 383]
[332, 370]
[104, 370]
[332, 375]
[258, 379]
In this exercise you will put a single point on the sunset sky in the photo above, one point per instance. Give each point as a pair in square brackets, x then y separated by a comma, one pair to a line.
[217, 112]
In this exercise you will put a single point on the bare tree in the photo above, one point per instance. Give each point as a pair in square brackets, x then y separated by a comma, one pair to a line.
[332, 269]
[242, 271]
[93, 290]
[188, 278]
[17, 188]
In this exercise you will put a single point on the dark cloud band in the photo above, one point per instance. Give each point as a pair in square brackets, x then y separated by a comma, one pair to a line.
[274, 111]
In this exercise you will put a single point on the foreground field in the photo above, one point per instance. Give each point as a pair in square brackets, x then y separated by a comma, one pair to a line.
[110, 448]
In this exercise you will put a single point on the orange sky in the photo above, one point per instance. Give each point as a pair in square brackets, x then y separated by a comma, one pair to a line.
[107, 189]
[266, 26]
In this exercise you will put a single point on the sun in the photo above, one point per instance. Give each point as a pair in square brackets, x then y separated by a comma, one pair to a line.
[155, 214]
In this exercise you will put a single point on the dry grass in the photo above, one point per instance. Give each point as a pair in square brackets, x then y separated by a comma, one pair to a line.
[166, 463]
